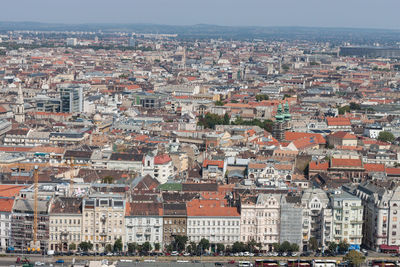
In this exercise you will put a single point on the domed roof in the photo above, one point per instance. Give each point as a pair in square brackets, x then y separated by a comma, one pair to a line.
[97, 117]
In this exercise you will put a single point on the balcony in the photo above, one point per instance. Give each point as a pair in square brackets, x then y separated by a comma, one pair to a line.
[103, 233]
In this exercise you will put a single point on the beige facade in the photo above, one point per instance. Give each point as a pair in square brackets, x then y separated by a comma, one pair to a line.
[103, 220]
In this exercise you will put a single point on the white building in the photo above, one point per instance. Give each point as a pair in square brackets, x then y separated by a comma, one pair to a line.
[347, 218]
[6, 205]
[159, 167]
[144, 223]
[260, 220]
[213, 220]
[317, 217]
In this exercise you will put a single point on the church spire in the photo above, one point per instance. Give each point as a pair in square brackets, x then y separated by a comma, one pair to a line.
[19, 110]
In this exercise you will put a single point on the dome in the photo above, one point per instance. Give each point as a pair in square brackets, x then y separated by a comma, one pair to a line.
[97, 117]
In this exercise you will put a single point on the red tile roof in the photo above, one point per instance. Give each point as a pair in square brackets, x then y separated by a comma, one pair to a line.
[10, 190]
[346, 162]
[372, 167]
[210, 208]
[6, 204]
[218, 163]
[338, 121]
[393, 171]
[344, 135]
[291, 136]
[162, 159]
[321, 166]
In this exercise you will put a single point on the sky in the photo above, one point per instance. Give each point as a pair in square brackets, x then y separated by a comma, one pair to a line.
[315, 13]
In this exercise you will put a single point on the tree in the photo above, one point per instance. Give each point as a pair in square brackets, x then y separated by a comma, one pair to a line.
[332, 246]
[227, 119]
[146, 247]
[251, 244]
[386, 136]
[219, 103]
[132, 247]
[72, 246]
[286, 96]
[118, 245]
[294, 247]
[276, 246]
[355, 258]
[85, 246]
[108, 248]
[238, 247]
[108, 180]
[313, 244]
[354, 106]
[220, 247]
[262, 97]
[343, 246]
[179, 242]
[343, 110]
[284, 247]
[157, 246]
[204, 244]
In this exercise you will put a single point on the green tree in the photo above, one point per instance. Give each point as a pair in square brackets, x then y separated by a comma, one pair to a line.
[108, 248]
[204, 244]
[118, 245]
[294, 247]
[179, 242]
[343, 246]
[285, 67]
[238, 247]
[72, 246]
[343, 110]
[262, 97]
[220, 247]
[354, 106]
[146, 247]
[85, 246]
[227, 119]
[157, 246]
[354, 257]
[132, 247]
[332, 246]
[276, 246]
[286, 96]
[386, 136]
[219, 103]
[251, 245]
[284, 247]
[313, 244]
[108, 180]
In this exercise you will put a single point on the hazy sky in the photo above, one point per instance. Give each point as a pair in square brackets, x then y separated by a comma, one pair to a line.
[324, 13]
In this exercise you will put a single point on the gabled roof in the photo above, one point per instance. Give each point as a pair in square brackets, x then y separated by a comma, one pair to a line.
[344, 135]
[338, 121]
[6, 204]
[162, 159]
[210, 208]
[218, 163]
[291, 136]
[322, 166]
[346, 162]
[372, 167]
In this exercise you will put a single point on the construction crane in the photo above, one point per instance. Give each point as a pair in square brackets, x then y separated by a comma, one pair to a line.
[35, 207]
[35, 245]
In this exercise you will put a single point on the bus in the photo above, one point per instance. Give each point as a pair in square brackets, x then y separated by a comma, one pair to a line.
[324, 263]
[384, 263]
[299, 263]
[266, 263]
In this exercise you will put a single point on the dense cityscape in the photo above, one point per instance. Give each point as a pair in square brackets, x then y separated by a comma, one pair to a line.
[138, 144]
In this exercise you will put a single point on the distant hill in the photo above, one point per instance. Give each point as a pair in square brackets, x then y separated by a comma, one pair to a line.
[200, 31]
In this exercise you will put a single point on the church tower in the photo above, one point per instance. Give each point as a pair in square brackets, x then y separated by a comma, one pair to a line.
[19, 112]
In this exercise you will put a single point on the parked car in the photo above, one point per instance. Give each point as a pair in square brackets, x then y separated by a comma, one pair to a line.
[60, 261]
[174, 253]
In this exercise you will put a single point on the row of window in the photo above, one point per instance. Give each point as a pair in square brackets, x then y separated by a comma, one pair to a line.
[213, 223]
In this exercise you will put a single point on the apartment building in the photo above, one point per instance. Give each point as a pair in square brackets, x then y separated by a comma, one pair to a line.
[317, 217]
[213, 220]
[260, 219]
[347, 218]
[174, 221]
[144, 223]
[6, 205]
[65, 223]
[381, 209]
[103, 219]
[22, 224]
